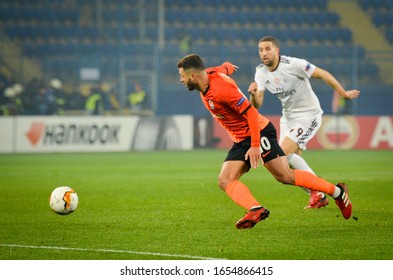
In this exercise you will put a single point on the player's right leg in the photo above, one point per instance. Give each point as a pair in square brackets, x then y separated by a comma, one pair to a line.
[240, 193]
[232, 169]
[228, 181]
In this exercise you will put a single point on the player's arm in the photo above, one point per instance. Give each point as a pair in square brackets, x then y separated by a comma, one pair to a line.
[329, 79]
[226, 68]
[256, 96]
[236, 100]
[254, 153]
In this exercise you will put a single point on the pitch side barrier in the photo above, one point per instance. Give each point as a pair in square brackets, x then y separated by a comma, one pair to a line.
[179, 132]
[338, 133]
[36, 134]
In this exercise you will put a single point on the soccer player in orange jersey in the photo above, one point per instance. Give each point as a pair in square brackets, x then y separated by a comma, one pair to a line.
[254, 137]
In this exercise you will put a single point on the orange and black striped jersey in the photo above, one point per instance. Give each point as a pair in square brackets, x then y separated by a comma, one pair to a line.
[230, 107]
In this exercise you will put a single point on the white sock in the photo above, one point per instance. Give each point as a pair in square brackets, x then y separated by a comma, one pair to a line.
[297, 162]
[337, 192]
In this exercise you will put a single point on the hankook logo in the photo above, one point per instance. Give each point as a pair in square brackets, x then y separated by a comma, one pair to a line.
[72, 134]
[35, 133]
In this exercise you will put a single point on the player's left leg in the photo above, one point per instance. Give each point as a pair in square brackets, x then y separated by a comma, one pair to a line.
[279, 168]
[293, 139]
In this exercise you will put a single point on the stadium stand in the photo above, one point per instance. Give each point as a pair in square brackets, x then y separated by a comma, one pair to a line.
[382, 15]
[114, 34]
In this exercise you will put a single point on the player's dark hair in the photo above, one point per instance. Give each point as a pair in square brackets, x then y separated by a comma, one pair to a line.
[271, 39]
[191, 61]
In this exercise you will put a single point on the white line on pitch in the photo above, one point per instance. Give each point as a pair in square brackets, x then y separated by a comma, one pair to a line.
[110, 251]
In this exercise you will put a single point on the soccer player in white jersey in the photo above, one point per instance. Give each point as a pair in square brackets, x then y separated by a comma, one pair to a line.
[288, 79]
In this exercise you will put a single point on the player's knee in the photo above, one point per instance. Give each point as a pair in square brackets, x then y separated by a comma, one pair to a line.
[223, 182]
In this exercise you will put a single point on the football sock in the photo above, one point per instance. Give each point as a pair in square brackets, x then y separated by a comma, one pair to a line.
[313, 182]
[337, 192]
[297, 162]
[240, 194]
[256, 208]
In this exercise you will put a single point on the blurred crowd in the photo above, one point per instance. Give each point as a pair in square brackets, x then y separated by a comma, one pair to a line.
[40, 97]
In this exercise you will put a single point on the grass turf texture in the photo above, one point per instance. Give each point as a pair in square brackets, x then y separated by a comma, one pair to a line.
[169, 203]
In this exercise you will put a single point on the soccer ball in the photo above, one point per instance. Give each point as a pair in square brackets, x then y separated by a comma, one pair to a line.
[63, 200]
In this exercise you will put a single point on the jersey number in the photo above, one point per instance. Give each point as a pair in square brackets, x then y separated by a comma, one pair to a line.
[265, 144]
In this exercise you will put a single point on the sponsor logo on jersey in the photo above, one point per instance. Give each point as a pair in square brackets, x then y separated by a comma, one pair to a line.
[284, 94]
[308, 66]
[211, 104]
[240, 102]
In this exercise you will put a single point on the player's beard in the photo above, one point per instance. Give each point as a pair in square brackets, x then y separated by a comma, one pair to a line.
[190, 85]
[268, 62]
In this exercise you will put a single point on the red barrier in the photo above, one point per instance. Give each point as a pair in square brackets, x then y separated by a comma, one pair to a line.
[346, 132]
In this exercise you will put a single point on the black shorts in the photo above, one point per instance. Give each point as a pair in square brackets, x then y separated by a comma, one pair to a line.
[269, 146]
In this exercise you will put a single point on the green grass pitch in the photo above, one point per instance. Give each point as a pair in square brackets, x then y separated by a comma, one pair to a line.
[167, 205]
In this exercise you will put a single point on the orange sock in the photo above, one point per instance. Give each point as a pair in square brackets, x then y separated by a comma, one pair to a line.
[240, 194]
[313, 182]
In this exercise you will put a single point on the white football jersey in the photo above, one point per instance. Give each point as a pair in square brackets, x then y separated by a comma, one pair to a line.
[290, 83]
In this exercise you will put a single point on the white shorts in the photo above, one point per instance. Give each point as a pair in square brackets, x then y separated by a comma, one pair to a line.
[300, 130]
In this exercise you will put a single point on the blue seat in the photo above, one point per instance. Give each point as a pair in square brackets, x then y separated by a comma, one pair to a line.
[372, 4]
[389, 35]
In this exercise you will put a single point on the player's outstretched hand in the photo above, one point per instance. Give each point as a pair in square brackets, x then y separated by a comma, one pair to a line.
[232, 68]
[352, 94]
